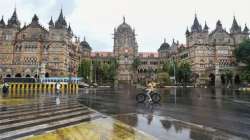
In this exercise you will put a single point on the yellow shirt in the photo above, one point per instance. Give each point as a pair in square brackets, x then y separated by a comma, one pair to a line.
[151, 86]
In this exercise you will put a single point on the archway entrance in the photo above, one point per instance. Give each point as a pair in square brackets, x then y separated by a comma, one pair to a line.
[8, 75]
[211, 79]
[18, 75]
[27, 76]
[46, 74]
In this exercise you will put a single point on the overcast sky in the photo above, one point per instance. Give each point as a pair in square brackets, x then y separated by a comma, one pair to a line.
[153, 20]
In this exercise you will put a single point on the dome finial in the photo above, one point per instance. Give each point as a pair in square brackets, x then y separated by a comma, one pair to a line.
[124, 19]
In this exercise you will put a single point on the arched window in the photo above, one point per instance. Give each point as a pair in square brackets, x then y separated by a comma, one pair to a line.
[18, 75]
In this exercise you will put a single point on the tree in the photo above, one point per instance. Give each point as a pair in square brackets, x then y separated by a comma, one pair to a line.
[242, 53]
[84, 69]
[105, 72]
[169, 68]
[184, 72]
[163, 78]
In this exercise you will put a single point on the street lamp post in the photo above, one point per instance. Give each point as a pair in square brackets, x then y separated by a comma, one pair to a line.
[174, 71]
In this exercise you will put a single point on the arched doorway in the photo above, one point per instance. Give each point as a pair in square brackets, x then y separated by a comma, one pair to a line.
[18, 75]
[46, 74]
[27, 76]
[8, 75]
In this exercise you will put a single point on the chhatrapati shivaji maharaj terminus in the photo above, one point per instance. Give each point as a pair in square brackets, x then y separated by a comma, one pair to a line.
[33, 51]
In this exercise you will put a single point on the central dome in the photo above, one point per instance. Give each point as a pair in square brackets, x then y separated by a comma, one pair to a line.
[124, 27]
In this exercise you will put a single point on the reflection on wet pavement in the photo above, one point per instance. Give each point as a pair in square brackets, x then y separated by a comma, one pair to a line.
[41, 112]
[100, 129]
[167, 128]
[207, 114]
[224, 111]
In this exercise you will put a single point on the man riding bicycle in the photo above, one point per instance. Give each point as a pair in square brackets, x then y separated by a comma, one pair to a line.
[151, 87]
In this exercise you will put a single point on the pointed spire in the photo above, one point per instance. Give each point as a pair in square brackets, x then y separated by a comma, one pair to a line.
[246, 30]
[14, 20]
[69, 28]
[196, 27]
[2, 23]
[35, 19]
[165, 40]
[206, 28]
[235, 28]
[51, 22]
[187, 32]
[219, 25]
[61, 22]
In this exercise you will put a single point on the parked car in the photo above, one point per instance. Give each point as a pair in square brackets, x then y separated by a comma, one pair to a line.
[83, 85]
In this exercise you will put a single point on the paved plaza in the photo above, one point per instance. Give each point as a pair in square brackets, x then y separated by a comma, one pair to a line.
[105, 113]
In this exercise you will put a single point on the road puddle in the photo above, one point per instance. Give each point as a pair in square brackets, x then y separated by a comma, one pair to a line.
[100, 129]
[168, 128]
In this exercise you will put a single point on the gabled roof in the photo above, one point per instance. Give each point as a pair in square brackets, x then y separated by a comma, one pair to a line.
[34, 24]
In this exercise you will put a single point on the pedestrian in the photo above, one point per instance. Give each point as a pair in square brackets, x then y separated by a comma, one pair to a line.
[58, 86]
[5, 88]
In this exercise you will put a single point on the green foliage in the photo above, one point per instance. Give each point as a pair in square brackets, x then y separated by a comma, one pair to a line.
[169, 68]
[242, 53]
[105, 72]
[183, 73]
[229, 76]
[163, 78]
[136, 63]
[84, 69]
[245, 75]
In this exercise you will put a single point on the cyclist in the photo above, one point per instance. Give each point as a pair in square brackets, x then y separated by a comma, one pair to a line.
[151, 86]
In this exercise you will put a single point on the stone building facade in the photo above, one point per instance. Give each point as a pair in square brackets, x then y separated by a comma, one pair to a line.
[209, 53]
[34, 51]
[125, 51]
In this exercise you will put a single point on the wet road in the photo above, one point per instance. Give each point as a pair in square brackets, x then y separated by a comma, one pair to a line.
[182, 114]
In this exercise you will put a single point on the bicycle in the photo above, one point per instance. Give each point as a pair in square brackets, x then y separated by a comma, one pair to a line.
[155, 96]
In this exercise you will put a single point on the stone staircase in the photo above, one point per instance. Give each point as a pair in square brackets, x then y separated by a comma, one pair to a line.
[39, 117]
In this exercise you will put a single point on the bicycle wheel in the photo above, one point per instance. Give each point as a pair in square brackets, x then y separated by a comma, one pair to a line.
[156, 97]
[140, 98]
